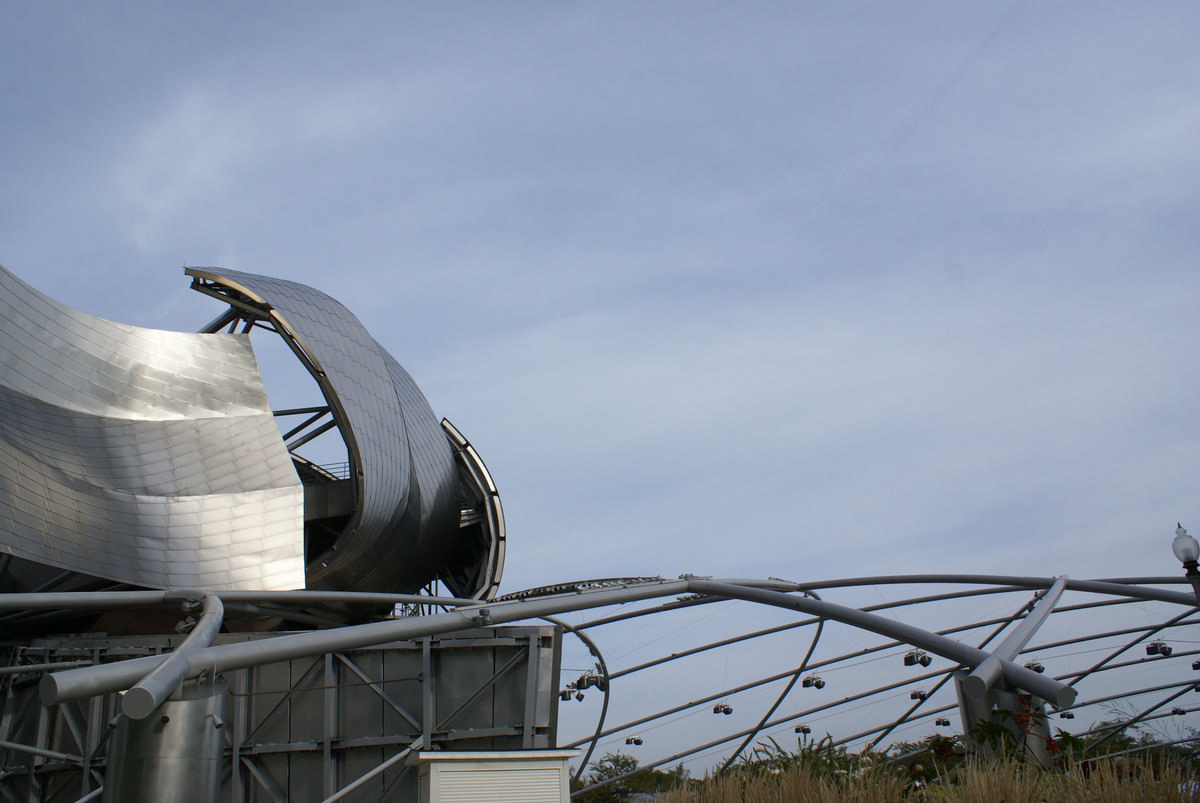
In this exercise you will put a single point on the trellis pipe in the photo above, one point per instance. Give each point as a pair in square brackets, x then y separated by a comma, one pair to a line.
[1049, 689]
[107, 678]
[985, 675]
[149, 692]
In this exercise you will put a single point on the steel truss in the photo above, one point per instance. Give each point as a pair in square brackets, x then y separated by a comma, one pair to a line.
[328, 726]
[316, 670]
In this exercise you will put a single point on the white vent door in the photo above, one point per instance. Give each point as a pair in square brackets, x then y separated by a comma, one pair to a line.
[531, 785]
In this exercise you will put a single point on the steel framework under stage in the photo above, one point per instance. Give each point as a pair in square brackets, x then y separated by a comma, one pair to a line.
[327, 726]
[74, 694]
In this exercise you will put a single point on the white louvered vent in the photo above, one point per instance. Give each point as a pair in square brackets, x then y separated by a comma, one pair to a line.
[540, 785]
[533, 776]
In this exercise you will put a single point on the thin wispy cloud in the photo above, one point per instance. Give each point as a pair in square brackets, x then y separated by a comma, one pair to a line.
[797, 291]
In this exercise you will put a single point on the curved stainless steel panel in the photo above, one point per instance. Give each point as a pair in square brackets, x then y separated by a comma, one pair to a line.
[404, 528]
[140, 456]
[152, 458]
[478, 565]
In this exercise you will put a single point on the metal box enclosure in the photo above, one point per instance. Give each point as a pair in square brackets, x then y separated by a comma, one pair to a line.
[536, 776]
[302, 729]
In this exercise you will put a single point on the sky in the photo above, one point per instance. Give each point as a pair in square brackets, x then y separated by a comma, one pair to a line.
[806, 290]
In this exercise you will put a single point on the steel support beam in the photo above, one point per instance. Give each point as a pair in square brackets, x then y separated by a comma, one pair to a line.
[985, 675]
[149, 692]
[107, 678]
[1046, 688]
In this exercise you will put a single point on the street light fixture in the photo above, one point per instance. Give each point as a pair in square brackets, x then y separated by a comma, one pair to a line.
[1187, 550]
[914, 657]
[802, 732]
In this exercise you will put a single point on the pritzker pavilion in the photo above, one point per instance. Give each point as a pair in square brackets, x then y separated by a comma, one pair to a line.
[192, 610]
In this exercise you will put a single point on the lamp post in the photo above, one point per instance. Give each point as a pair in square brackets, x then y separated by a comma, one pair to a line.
[1187, 550]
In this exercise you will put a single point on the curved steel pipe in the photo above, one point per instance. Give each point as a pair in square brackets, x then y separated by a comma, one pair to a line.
[150, 692]
[782, 695]
[603, 666]
[74, 684]
[984, 676]
[78, 683]
[1057, 693]
[92, 600]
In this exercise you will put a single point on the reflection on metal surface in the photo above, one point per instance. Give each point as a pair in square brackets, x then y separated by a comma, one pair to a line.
[480, 559]
[406, 526]
[152, 458]
[136, 455]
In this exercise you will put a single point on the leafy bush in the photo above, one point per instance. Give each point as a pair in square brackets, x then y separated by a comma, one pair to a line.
[625, 780]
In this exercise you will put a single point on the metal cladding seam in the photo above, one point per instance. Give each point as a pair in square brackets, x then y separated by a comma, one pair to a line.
[405, 523]
[115, 459]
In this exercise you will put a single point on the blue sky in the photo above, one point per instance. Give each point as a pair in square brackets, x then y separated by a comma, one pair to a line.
[855, 289]
[804, 290]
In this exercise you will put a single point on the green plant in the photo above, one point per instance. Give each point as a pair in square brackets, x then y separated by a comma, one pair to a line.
[621, 777]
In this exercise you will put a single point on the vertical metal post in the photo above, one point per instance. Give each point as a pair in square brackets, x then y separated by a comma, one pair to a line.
[329, 771]
[93, 732]
[43, 741]
[1193, 577]
[428, 712]
[239, 681]
[531, 686]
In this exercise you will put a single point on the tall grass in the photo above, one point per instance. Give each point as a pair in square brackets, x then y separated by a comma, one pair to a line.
[999, 782]
[799, 782]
